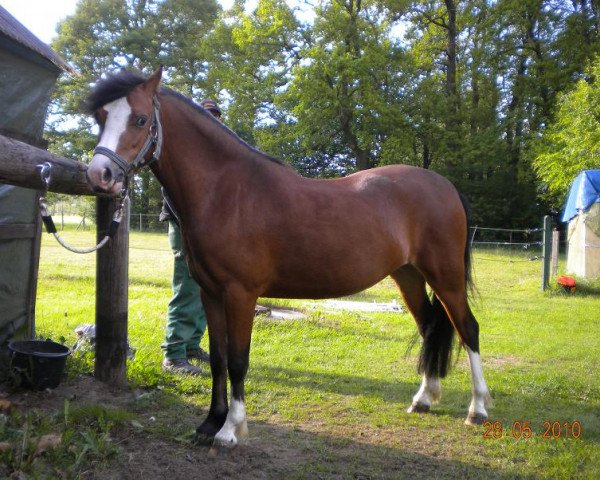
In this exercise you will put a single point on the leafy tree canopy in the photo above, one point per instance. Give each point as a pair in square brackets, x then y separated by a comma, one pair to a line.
[571, 143]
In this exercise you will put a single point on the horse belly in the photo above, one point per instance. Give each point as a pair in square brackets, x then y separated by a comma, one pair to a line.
[335, 270]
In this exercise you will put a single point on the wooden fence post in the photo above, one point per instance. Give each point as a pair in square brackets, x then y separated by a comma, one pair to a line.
[546, 250]
[555, 247]
[111, 295]
[19, 166]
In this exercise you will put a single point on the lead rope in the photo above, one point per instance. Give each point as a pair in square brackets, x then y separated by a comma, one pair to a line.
[45, 169]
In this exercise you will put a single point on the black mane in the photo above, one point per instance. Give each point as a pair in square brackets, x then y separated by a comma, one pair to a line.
[112, 87]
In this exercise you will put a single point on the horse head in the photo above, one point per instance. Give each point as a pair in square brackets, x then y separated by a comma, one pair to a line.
[127, 111]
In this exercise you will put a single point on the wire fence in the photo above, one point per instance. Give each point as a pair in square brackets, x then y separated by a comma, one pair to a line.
[523, 244]
[146, 222]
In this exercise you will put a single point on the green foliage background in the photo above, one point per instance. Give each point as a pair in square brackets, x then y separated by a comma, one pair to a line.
[492, 94]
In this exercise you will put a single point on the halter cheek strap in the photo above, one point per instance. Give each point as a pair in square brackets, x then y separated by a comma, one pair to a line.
[154, 139]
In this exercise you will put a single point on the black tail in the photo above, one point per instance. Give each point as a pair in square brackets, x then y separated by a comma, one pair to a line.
[438, 334]
[468, 266]
[438, 338]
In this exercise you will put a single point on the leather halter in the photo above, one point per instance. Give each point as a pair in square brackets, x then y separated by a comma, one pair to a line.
[154, 139]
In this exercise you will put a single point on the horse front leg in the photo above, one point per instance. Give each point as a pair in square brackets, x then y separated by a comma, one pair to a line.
[217, 332]
[239, 309]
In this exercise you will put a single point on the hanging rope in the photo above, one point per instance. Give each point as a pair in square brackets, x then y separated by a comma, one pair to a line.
[45, 171]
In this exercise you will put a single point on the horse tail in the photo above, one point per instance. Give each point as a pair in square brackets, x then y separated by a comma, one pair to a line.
[438, 333]
[438, 337]
[469, 286]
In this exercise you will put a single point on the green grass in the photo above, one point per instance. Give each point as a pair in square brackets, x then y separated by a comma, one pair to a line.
[336, 382]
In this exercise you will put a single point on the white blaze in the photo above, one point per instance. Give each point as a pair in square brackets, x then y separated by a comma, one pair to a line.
[116, 123]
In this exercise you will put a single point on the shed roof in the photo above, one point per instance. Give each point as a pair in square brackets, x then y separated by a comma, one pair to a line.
[584, 192]
[14, 29]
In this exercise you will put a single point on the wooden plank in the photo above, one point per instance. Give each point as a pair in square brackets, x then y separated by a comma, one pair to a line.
[111, 296]
[18, 162]
[17, 230]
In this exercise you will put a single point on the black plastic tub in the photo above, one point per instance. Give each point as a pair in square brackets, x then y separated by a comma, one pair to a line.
[39, 363]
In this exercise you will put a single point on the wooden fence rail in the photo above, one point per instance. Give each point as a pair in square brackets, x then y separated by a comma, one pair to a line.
[18, 166]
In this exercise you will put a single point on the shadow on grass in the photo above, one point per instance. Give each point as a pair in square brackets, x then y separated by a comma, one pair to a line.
[159, 441]
[347, 385]
[276, 451]
[454, 402]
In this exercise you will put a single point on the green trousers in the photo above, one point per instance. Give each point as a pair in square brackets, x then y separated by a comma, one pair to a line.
[186, 319]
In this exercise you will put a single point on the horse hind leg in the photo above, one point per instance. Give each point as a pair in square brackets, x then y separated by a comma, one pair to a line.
[456, 305]
[436, 332]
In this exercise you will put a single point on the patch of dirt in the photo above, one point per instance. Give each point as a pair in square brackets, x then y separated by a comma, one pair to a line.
[275, 450]
[83, 390]
[502, 361]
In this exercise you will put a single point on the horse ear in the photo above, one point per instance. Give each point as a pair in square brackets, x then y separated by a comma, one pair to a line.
[152, 83]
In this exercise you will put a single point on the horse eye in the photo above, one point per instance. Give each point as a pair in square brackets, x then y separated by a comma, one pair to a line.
[141, 120]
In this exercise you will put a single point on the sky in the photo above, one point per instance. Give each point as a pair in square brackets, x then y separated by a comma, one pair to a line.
[42, 16]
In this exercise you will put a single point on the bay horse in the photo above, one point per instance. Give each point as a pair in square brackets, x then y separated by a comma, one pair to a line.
[253, 227]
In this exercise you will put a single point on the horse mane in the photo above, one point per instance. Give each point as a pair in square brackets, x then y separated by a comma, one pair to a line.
[115, 85]
[110, 87]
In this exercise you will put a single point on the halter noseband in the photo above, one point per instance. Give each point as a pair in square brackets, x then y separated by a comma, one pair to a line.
[154, 139]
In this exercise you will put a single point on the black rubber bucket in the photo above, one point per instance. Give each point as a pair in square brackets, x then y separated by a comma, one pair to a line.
[39, 363]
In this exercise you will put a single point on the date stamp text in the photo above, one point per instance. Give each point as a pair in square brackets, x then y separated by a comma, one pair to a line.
[549, 430]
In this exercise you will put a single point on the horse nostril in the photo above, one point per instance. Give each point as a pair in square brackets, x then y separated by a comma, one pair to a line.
[106, 175]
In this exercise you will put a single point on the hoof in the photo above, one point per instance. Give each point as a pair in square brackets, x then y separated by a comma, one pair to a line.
[202, 437]
[231, 439]
[418, 408]
[475, 419]
[214, 452]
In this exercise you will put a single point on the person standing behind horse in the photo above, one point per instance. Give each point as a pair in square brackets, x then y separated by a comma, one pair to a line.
[186, 319]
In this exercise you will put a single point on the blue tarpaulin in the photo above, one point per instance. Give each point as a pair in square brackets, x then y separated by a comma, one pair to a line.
[584, 192]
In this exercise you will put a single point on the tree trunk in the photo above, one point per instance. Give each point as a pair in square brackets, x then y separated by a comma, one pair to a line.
[426, 156]
[514, 128]
[451, 60]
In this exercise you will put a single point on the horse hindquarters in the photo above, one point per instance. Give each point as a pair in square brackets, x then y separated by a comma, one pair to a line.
[443, 261]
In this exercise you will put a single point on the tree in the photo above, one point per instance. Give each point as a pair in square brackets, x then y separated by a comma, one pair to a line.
[105, 35]
[463, 87]
[572, 142]
[251, 57]
[342, 95]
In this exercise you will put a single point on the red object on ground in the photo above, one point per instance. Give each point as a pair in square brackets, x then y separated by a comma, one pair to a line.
[567, 282]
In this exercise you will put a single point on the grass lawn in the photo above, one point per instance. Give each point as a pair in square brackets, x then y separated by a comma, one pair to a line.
[326, 396]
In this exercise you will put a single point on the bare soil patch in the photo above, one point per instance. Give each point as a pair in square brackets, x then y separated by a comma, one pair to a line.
[275, 450]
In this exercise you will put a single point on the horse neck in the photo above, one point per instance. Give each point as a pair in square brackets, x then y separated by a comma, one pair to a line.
[196, 154]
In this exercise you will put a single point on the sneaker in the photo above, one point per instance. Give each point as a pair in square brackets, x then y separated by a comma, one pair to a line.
[180, 365]
[200, 355]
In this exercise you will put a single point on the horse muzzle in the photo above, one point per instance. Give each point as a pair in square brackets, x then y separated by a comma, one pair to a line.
[103, 176]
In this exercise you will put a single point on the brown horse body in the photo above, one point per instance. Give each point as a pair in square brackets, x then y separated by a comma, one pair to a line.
[253, 227]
